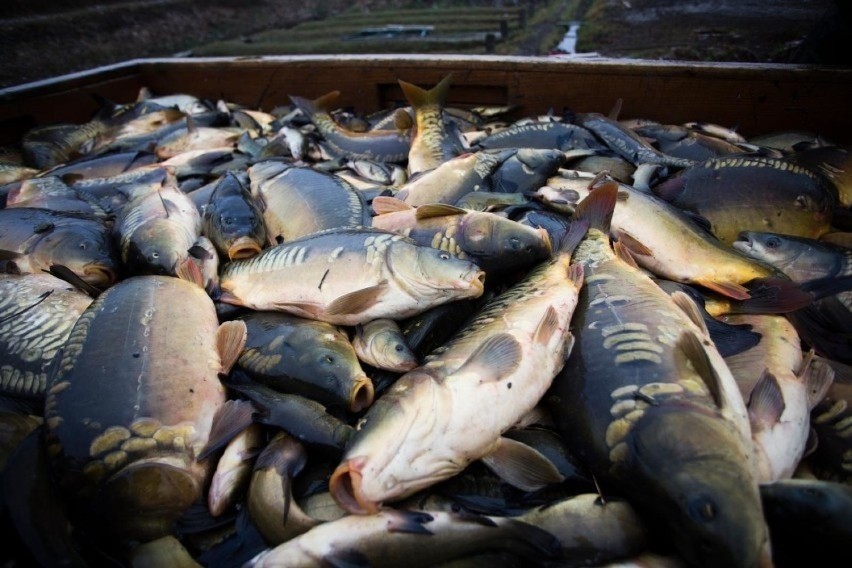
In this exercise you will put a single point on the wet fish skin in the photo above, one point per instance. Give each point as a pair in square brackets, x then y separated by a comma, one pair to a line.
[37, 313]
[801, 258]
[753, 193]
[627, 143]
[810, 520]
[350, 276]
[131, 402]
[497, 244]
[156, 229]
[690, 257]
[306, 420]
[419, 432]
[381, 343]
[648, 404]
[233, 470]
[781, 390]
[379, 145]
[232, 220]
[432, 143]
[543, 135]
[301, 356]
[297, 201]
[413, 538]
[40, 238]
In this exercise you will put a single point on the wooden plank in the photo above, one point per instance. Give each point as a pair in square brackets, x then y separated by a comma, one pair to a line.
[64, 99]
[755, 98]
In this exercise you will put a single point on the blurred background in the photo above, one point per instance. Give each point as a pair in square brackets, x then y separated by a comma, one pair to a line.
[45, 38]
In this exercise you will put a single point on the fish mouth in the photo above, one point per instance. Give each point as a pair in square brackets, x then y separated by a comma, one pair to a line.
[744, 242]
[244, 247]
[361, 395]
[345, 487]
[475, 281]
[98, 275]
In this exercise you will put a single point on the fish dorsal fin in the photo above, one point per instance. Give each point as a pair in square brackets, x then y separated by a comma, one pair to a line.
[231, 419]
[773, 295]
[357, 301]
[690, 345]
[598, 206]
[766, 402]
[688, 306]
[230, 341]
[624, 254]
[144, 94]
[403, 521]
[633, 245]
[818, 376]
[497, 358]
[616, 109]
[576, 274]
[438, 210]
[522, 466]
[64, 273]
[383, 204]
[326, 101]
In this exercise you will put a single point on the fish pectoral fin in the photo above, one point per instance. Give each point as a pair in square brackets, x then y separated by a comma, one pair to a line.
[189, 271]
[231, 419]
[632, 244]
[692, 348]
[230, 341]
[688, 306]
[546, 327]
[383, 204]
[811, 443]
[727, 289]
[411, 522]
[357, 301]
[622, 252]
[438, 210]
[522, 466]
[497, 358]
[828, 286]
[818, 376]
[774, 296]
[766, 402]
[228, 298]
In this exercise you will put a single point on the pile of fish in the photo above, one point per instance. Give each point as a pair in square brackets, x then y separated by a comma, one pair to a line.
[428, 336]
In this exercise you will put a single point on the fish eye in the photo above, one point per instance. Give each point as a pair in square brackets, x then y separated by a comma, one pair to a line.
[328, 359]
[801, 201]
[444, 256]
[703, 509]
[515, 243]
[155, 255]
[398, 348]
[82, 246]
[773, 242]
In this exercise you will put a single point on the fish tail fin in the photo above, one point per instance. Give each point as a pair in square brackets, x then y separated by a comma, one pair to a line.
[573, 237]
[773, 295]
[320, 104]
[419, 97]
[597, 208]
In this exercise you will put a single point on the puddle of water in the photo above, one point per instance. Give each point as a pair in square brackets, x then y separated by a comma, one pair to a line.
[568, 45]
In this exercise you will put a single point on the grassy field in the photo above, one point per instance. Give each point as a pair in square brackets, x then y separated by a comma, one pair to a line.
[533, 29]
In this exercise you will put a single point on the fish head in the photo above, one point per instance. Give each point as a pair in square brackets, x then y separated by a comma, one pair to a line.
[692, 471]
[508, 244]
[781, 251]
[389, 350]
[143, 500]
[431, 273]
[85, 251]
[333, 366]
[154, 250]
[393, 454]
[242, 232]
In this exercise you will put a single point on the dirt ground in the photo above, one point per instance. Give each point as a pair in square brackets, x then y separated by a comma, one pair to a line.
[721, 30]
[41, 39]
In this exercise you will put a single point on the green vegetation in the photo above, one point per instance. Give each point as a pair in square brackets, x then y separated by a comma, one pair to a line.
[534, 28]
